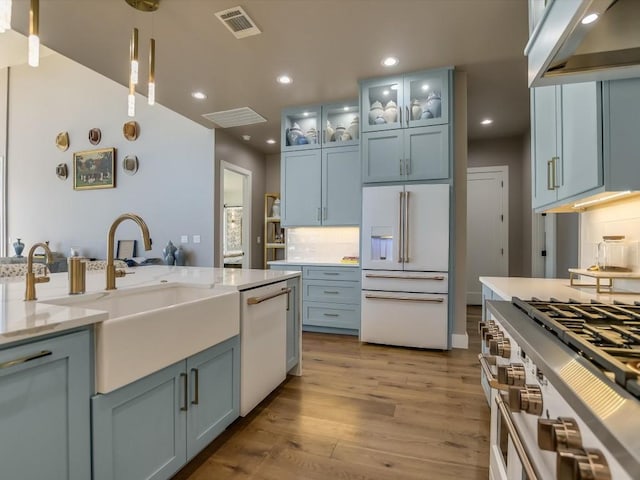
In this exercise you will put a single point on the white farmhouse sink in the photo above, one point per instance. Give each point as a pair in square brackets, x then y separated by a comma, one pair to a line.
[150, 328]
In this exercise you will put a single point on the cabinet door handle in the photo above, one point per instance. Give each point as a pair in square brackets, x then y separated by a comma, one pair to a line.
[555, 172]
[407, 108]
[400, 162]
[331, 273]
[257, 300]
[331, 315]
[185, 387]
[318, 214]
[403, 277]
[324, 136]
[400, 110]
[324, 213]
[331, 292]
[25, 359]
[406, 227]
[196, 386]
[407, 168]
[400, 225]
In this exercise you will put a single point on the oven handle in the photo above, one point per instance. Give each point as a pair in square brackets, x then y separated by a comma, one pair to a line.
[493, 381]
[405, 299]
[257, 300]
[515, 438]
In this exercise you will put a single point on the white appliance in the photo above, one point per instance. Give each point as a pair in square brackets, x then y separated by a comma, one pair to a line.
[263, 347]
[405, 263]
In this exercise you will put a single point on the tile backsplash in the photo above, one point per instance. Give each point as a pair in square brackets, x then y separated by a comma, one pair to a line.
[621, 218]
[322, 244]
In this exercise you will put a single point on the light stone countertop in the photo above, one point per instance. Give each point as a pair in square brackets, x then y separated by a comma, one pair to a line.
[21, 320]
[545, 288]
[313, 264]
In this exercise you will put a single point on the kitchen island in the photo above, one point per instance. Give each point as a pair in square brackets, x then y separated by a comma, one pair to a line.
[100, 390]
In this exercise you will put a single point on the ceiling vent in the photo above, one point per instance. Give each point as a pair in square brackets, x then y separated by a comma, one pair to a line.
[235, 117]
[238, 22]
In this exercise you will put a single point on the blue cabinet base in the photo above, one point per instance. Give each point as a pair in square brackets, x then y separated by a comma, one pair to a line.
[339, 331]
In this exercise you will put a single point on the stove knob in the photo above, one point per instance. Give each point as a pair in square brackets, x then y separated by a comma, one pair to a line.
[560, 434]
[512, 374]
[582, 464]
[492, 333]
[527, 399]
[484, 325]
[500, 346]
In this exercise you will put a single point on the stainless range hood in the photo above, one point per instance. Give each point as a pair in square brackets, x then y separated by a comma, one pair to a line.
[562, 49]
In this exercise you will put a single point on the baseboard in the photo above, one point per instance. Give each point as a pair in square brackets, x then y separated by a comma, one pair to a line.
[460, 340]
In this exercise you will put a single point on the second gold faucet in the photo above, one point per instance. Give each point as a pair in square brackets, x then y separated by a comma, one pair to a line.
[112, 273]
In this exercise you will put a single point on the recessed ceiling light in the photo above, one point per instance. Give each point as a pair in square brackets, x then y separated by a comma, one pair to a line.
[346, 109]
[592, 17]
[246, 138]
[425, 87]
[486, 121]
[306, 114]
[390, 62]
[199, 95]
[385, 92]
[271, 141]
[284, 79]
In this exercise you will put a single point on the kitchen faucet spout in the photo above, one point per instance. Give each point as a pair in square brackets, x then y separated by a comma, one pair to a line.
[112, 273]
[31, 279]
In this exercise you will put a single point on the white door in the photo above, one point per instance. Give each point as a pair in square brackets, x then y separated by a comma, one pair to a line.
[487, 227]
[381, 218]
[426, 234]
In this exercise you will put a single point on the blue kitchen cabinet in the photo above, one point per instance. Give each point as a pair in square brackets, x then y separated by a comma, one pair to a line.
[301, 128]
[45, 387]
[566, 142]
[301, 174]
[152, 427]
[341, 196]
[406, 154]
[405, 101]
[293, 323]
[321, 187]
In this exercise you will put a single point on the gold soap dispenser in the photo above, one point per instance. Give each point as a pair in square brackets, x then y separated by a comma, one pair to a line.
[77, 267]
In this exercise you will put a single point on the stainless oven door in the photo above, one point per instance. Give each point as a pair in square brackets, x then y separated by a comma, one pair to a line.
[509, 457]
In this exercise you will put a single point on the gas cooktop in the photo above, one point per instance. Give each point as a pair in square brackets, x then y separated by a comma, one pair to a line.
[606, 334]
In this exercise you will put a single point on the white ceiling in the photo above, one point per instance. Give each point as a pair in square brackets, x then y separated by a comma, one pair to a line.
[325, 45]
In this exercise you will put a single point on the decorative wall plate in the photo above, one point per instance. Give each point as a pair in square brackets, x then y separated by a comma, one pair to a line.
[62, 141]
[131, 130]
[62, 172]
[130, 164]
[94, 136]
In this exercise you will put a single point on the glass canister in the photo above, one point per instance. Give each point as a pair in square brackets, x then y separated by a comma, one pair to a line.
[612, 254]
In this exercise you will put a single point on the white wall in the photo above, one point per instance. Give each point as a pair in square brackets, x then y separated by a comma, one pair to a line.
[172, 190]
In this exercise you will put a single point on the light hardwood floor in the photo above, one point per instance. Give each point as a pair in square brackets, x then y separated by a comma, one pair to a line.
[362, 412]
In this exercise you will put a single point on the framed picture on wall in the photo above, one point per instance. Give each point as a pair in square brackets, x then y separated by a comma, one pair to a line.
[94, 169]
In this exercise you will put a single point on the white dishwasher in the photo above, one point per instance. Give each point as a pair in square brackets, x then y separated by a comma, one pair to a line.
[263, 347]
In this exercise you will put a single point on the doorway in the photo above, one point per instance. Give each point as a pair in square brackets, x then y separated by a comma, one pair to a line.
[235, 216]
[487, 227]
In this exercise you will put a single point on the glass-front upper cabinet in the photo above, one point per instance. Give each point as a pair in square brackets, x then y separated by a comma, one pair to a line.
[301, 128]
[411, 100]
[381, 102]
[341, 124]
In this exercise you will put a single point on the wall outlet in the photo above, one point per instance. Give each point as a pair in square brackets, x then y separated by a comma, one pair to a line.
[258, 239]
[184, 239]
[196, 239]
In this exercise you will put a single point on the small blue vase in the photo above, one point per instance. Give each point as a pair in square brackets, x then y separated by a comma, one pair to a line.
[168, 253]
[18, 247]
[180, 257]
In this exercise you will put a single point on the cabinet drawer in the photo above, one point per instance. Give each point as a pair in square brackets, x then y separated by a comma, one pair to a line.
[331, 315]
[330, 291]
[398, 281]
[332, 273]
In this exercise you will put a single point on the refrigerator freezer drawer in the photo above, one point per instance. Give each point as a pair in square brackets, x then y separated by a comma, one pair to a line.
[405, 319]
[393, 281]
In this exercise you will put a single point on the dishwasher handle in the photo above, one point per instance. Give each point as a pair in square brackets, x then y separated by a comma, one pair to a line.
[269, 296]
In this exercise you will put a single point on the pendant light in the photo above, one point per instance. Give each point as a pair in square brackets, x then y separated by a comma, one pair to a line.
[5, 15]
[152, 72]
[133, 56]
[34, 31]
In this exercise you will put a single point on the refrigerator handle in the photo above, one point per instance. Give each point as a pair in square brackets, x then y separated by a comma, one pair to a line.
[400, 226]
[406, 227]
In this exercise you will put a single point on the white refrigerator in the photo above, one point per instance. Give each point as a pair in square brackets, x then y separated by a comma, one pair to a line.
[405, 265]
